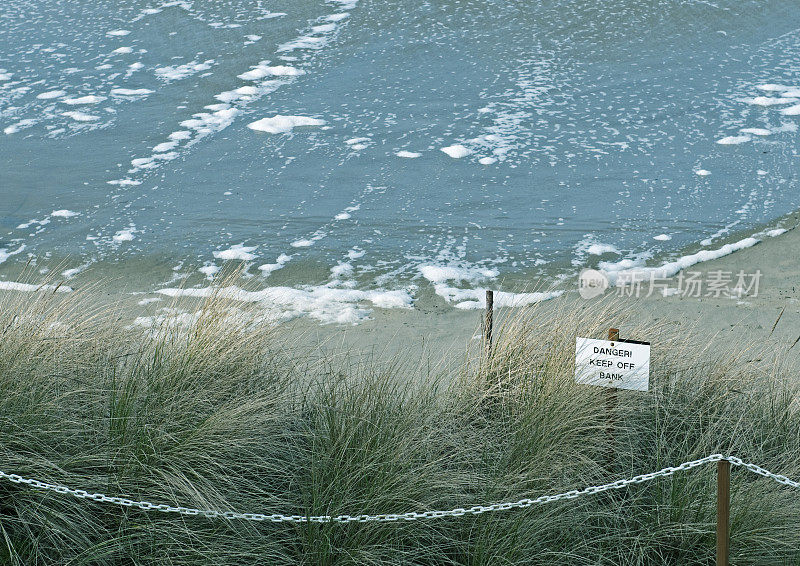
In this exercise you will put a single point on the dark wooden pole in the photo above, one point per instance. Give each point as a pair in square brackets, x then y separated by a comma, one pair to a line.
[611, 408]
[487, 326]
[723, 512]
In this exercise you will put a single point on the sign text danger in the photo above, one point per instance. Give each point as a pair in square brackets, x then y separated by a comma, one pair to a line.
[625, 365]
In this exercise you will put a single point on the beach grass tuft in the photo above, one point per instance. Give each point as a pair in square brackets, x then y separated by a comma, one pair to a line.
[212, 408]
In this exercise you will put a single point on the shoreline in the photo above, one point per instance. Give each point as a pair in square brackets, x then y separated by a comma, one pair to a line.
[441, 329]
[435, 327]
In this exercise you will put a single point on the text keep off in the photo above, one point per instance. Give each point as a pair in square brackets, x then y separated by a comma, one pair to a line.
[624, 365]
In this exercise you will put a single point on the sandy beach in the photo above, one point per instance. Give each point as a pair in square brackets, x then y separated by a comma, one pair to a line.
[434, 332]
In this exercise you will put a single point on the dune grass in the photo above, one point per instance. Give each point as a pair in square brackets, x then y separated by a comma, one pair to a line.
[214, 410]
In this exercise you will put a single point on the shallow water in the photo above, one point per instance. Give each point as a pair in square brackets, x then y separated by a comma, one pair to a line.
[574, 132]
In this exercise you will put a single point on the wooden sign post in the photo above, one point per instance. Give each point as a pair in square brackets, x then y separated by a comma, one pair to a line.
[614, 364]
[611, 407]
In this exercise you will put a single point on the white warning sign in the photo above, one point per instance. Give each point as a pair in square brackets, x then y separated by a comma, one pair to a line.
[621, 364]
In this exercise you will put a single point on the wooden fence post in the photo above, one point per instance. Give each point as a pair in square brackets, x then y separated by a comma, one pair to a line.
[723, 512]
[487, 325]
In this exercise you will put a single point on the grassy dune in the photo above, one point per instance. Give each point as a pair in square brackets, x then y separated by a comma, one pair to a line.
[214, 410]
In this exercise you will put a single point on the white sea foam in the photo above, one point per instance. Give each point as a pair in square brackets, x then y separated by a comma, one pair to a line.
[125, 235]
[29, 223]
[169, 156]
[600, 249]
[21, 125]
[80, 116]
[263, 69]
[143, 163]
[279, 124]
[636, 267]
[590, 246]
[785, 127]
[702, 172]
[51, 94]
[29, 288]
[238, 252]
[756, 131]
[247, 90]
[303, 42]
[346, 4]
[771, 87]
[323, 303]
[205, 123]
[118, 32]
[72, 272]
[209, 270]
[770, 100]
[169, 73]
[180, 135]
[254, 74]
[268, 268]
[133, 67]
[83, 100]
[663, 237]
[471, 299]
[131, 92]
[487, 160]
[791, 111]
[166, 146]
[324, 28]
[734, 140]
[408, 154]
[474, 298]
[457, 151]
[64, 213]
[123, 50]
[441, 274]
[341, 270]
[5, 254]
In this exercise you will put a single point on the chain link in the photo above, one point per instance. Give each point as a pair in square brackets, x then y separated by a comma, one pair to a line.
[762, 472]
[391, 517]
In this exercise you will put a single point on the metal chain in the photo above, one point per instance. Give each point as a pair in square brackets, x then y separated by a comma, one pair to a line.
[762, 472]
[390, 517]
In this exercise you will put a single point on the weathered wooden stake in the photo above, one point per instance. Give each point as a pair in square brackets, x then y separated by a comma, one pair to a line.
[723, 512]
[611, 407]
[487, 325]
